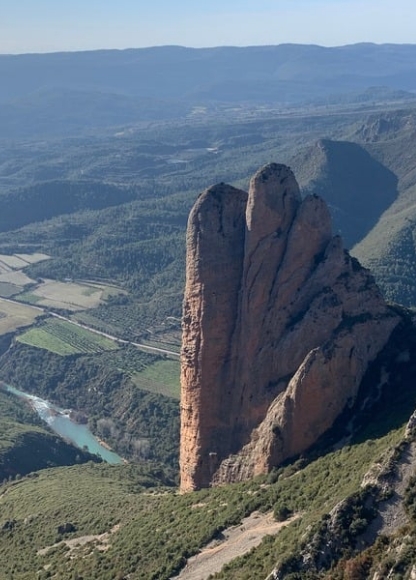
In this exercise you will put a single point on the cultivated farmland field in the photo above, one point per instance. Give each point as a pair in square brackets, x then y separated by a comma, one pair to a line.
[161, 377]
[14, 316]
[64, 338]
[33, 258]
[16, 277]
[20, 261]
[7, 289]
[12, 277]
[67, 295]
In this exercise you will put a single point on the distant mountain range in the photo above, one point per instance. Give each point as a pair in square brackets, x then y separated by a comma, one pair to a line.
[63, 93]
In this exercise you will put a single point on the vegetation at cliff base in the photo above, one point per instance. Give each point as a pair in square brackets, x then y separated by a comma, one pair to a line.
[155, 529]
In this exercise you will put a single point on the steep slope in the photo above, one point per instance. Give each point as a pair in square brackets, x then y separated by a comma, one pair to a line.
[279, 327]
[389, 249]
[103, 522]
[356, 187]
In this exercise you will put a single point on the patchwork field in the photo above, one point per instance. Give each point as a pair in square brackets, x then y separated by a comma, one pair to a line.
[66, 295]
[19, 261]
[64, 338]
[16, 277]
[14, 316]
[7, 290]
[12, 278]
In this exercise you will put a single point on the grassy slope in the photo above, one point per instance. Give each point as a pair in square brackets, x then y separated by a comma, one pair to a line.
[160, 377]
[389, 251]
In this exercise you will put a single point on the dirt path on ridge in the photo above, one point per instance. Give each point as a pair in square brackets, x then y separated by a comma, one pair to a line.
[234, 542]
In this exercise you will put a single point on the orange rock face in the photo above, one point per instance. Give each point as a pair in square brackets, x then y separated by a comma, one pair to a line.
[279, 326]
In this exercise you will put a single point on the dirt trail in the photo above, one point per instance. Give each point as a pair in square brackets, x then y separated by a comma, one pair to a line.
[391, 513]
[234, 542]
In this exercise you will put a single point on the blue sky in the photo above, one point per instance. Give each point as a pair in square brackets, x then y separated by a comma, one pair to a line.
[52, 25]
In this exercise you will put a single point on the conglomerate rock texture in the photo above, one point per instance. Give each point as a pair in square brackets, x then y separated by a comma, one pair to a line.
[279, 327]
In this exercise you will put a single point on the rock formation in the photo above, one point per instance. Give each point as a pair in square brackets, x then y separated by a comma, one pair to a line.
[279, 327]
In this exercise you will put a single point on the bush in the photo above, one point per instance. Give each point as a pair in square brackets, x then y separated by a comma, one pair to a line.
[281, 513]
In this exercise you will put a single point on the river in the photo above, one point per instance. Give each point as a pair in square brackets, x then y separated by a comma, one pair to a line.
[59, 421]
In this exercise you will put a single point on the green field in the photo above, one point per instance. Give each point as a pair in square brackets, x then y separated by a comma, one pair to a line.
[64, 338]
[28, 298]
[174, 347]
[161, 377]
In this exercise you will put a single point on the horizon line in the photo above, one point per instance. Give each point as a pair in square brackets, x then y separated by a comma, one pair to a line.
[196, 48]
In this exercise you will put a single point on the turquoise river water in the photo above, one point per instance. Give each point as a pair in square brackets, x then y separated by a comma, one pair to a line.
[59, 421]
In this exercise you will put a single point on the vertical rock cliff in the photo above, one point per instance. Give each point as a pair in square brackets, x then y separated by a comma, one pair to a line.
[279, 326]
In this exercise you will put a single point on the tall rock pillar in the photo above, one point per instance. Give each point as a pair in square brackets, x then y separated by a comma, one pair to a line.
[215, 252]
[279, 327]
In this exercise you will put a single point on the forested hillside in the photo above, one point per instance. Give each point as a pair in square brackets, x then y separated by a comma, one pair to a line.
[389, 249]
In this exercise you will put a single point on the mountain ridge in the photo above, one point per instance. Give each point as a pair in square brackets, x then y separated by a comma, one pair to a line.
[282, 75]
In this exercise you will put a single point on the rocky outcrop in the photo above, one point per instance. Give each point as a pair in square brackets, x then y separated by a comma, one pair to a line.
[279, 327]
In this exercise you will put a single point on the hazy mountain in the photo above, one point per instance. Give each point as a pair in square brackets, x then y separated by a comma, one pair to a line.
[61, 111]
[55, 92]
[178, 72]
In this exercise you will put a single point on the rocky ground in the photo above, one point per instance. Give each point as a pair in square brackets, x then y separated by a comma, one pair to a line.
[234, 542]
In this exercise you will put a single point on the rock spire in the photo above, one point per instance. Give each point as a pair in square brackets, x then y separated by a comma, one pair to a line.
[279, 327]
